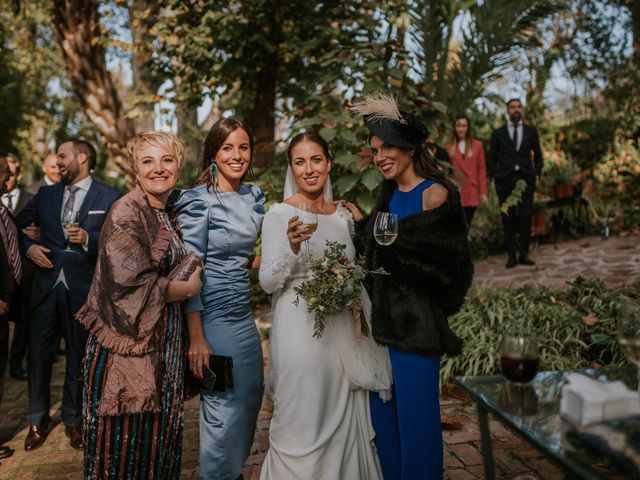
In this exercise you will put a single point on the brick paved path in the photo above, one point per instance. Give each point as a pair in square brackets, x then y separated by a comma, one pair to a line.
[616, 261]
[56, 460]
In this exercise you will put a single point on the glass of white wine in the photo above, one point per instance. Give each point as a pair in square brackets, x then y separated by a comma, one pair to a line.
[385, 229]
[309, 219]
[385, 232]
[69, 220]
[629, 332]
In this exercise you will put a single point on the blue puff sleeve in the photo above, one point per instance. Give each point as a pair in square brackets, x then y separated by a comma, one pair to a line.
[193, 217]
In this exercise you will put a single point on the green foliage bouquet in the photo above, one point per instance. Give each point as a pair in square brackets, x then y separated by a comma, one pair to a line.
[334, 287]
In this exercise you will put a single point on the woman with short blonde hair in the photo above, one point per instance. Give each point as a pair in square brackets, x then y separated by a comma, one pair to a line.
[135, 357]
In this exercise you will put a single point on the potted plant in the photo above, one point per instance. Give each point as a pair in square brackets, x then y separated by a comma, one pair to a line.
[561, 178]
[539, 220]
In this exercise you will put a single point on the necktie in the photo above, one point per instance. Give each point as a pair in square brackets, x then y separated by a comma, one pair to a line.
[515, 137]
[10, 239]
[10, 202]
[67, 211]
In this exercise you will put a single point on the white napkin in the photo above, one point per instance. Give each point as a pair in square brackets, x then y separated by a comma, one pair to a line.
[585, 401]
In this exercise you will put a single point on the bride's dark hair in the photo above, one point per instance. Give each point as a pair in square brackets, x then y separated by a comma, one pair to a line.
[313, 137]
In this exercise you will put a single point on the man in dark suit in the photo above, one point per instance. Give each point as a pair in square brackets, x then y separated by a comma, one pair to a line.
[51, 173]
[515, 154]
[65, 261]
[10, 276]
[15, 199]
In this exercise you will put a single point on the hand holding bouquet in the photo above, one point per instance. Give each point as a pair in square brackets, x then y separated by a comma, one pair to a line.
[335, 286]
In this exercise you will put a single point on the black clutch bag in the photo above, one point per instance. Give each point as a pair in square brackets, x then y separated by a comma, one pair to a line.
[222, 368]
[217, 377]
[185, 268]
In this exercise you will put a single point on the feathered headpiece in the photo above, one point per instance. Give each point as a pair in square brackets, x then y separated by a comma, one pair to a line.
[377, 107]
[385, 120]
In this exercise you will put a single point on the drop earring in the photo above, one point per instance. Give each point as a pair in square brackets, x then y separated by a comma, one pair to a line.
[213, 173]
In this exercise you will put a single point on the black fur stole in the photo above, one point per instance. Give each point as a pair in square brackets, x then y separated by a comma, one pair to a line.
[431, 271]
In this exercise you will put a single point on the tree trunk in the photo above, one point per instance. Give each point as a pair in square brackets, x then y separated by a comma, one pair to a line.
[260, 118]
[77, 27]
[145, 83]
[634, 8]
[189, 132]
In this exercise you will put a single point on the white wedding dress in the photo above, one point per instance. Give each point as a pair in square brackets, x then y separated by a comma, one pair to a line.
[321, 426]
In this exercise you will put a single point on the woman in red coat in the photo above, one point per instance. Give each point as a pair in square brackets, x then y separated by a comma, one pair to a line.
[470, 170]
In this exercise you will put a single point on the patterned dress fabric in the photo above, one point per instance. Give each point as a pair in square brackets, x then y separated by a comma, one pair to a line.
[144, 445]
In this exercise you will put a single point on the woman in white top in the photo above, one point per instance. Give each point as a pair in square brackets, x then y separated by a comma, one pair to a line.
[321, 426]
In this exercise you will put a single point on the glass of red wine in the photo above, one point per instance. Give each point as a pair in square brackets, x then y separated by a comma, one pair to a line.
[519, 357]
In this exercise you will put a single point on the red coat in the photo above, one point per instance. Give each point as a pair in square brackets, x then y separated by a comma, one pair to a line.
[470, 173]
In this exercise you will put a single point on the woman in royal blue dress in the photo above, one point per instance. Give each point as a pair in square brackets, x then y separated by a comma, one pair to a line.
[220, 220]
[430, 273]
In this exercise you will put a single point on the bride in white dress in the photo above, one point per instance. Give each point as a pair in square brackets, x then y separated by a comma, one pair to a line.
[321, 426]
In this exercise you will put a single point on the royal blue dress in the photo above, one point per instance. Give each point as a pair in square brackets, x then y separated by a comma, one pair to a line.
[408, 430]
[222, 228]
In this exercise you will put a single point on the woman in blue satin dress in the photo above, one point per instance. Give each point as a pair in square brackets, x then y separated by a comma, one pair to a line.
[220, 220]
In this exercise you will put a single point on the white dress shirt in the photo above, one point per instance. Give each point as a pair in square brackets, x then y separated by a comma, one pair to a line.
[518, 125]
[15, 197]
[83, 187]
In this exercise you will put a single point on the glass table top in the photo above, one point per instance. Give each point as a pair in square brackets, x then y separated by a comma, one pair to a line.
[534, 412]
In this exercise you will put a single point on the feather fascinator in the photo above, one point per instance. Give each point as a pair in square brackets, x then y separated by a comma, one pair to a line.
[377, 107]
[385, 120]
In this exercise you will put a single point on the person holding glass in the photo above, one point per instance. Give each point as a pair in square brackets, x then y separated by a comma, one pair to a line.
[220, 220]
[65, 258]
[135, 359]
[321, 426]
[417, 281]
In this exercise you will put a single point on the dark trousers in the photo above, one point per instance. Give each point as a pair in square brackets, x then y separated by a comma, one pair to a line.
[4, 350]
[468, 214]
[20, 314]
[19, 345]
[51, 317]
[516, 224]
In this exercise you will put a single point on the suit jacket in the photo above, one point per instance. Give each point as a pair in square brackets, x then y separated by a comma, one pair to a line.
[23, 201]
[7, 282]
[20, 298]
[471, 173]
[44, 210]
[503, 156]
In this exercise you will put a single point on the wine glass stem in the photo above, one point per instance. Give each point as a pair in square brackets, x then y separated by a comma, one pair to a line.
[307, 248]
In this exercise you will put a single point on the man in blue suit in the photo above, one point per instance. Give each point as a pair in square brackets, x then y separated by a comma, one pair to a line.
[515, 154]
[65, 260]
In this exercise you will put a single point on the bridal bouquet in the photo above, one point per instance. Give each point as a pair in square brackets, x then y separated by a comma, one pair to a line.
[334, 287]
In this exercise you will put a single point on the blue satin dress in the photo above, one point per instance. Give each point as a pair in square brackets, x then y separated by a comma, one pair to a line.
[222, 228]
[408, 430]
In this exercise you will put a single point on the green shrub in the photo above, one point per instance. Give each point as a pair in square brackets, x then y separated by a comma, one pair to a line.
[576, 328]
